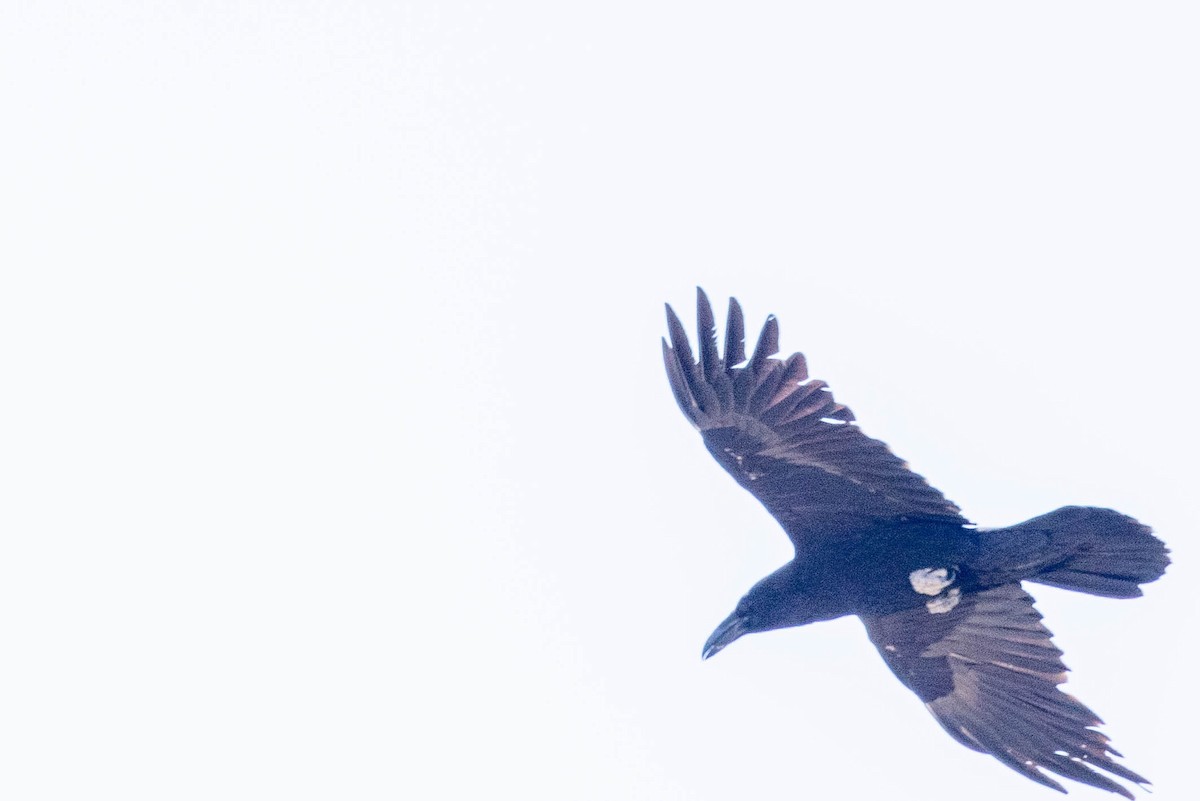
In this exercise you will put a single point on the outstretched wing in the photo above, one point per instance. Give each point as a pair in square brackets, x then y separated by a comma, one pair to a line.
[985, 667]
[785, 439]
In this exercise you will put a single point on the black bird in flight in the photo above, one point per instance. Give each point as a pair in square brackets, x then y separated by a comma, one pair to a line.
[941, 599]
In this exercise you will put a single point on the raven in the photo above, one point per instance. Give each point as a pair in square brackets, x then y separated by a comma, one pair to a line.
[940, 598]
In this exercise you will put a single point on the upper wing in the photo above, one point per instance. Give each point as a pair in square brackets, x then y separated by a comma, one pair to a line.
[784, 438]
[985, 667]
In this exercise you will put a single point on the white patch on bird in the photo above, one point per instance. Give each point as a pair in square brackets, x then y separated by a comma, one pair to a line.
[931, 580]
[891, 649]
[944, 603]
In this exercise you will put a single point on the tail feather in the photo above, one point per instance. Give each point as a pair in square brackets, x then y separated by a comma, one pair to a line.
[1097, 551]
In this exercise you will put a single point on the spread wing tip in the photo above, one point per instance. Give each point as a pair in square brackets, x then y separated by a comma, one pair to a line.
[786, 417]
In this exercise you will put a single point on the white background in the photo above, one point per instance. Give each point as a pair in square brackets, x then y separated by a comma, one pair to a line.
[338, 458]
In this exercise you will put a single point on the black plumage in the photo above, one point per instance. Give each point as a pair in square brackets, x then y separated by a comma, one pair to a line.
[941, 599]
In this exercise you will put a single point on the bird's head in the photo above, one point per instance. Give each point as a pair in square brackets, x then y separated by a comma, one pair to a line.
[776, 602]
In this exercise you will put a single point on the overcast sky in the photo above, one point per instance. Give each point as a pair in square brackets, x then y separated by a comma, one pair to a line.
[339, 461]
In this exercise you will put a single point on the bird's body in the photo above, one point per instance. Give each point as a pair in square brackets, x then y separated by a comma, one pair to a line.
[869, 572]
[941, 599]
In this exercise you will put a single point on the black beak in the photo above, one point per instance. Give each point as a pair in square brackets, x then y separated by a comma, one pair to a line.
[730, 629]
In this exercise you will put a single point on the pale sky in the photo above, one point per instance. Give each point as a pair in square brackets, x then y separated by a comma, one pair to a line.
[339, 460]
